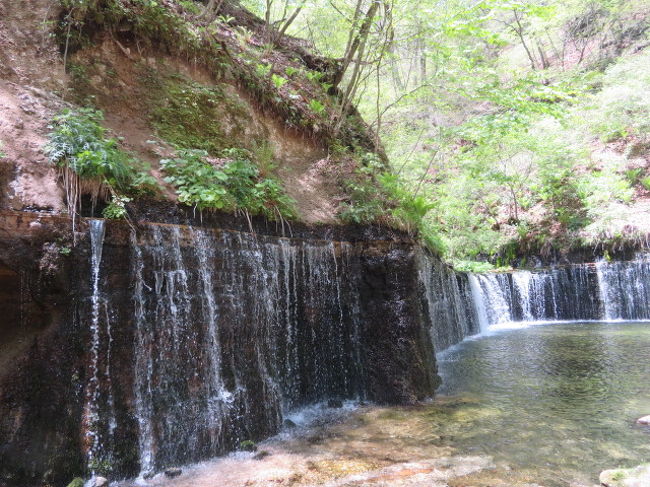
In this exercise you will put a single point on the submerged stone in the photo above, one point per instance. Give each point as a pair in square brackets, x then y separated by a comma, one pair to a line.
[173, 472]
[630, 477]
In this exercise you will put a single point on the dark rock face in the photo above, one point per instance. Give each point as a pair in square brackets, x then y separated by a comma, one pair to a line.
[192, 341]
[41, 353]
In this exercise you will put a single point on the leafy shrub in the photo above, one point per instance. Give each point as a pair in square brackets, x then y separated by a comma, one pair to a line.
[190, 6]
[472, 266]
[634, 176]
[92, 163]
[235, 185]
[561, 194]
[116, 209]
[290, 71]
[317, 107]
[76, 482]
[315, 76]
[621, 108]
[247, 445]
[377, 195]
[279, 81]
[263, 70]
[78, 142]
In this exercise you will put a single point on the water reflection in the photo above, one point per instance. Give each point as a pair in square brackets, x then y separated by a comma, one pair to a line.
[560, 399]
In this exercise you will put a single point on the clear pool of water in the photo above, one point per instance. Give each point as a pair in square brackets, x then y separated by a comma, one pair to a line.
[558, 400]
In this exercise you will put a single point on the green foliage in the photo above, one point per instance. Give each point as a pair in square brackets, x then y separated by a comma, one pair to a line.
[377, 196]
[290, 71]
[559, 190]
[235, 185]
[78, 142]
[101, 467]
[264, 157]
[184, 113]
[116, 209]
[225, 19]
[472, 266]
[76, 482]
[147, 18]
[634, 176]
[190, 6]
[247, 445]
[263, 70]
[317, 107]
[621, 107]
[314, 76]
[278, 81]
[65, 250]
[645, 182]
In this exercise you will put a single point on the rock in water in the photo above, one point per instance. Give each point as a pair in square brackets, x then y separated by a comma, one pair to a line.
[100, 482]
[644, 420]
[173, 472]
[289, 424]
[335, 403]
[261, 455]
[630, 477]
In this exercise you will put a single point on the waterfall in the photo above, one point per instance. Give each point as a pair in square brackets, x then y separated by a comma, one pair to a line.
[495, 292]
[523, 283]
[625, 288]
[222, 333]
[453, 311]
[93, 387]
[479, 303]
[601, 291]
[256, 325]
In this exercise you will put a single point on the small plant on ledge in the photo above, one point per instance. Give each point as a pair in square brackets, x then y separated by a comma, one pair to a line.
[233, 183]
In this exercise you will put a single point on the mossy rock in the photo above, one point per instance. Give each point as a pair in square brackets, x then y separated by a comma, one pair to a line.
[247, 445]
[191, 115]
[76, 482]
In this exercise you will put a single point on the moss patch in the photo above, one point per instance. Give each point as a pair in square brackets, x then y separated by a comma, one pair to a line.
[194, 116]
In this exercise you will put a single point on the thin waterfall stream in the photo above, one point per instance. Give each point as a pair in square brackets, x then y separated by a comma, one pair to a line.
[97, 233]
